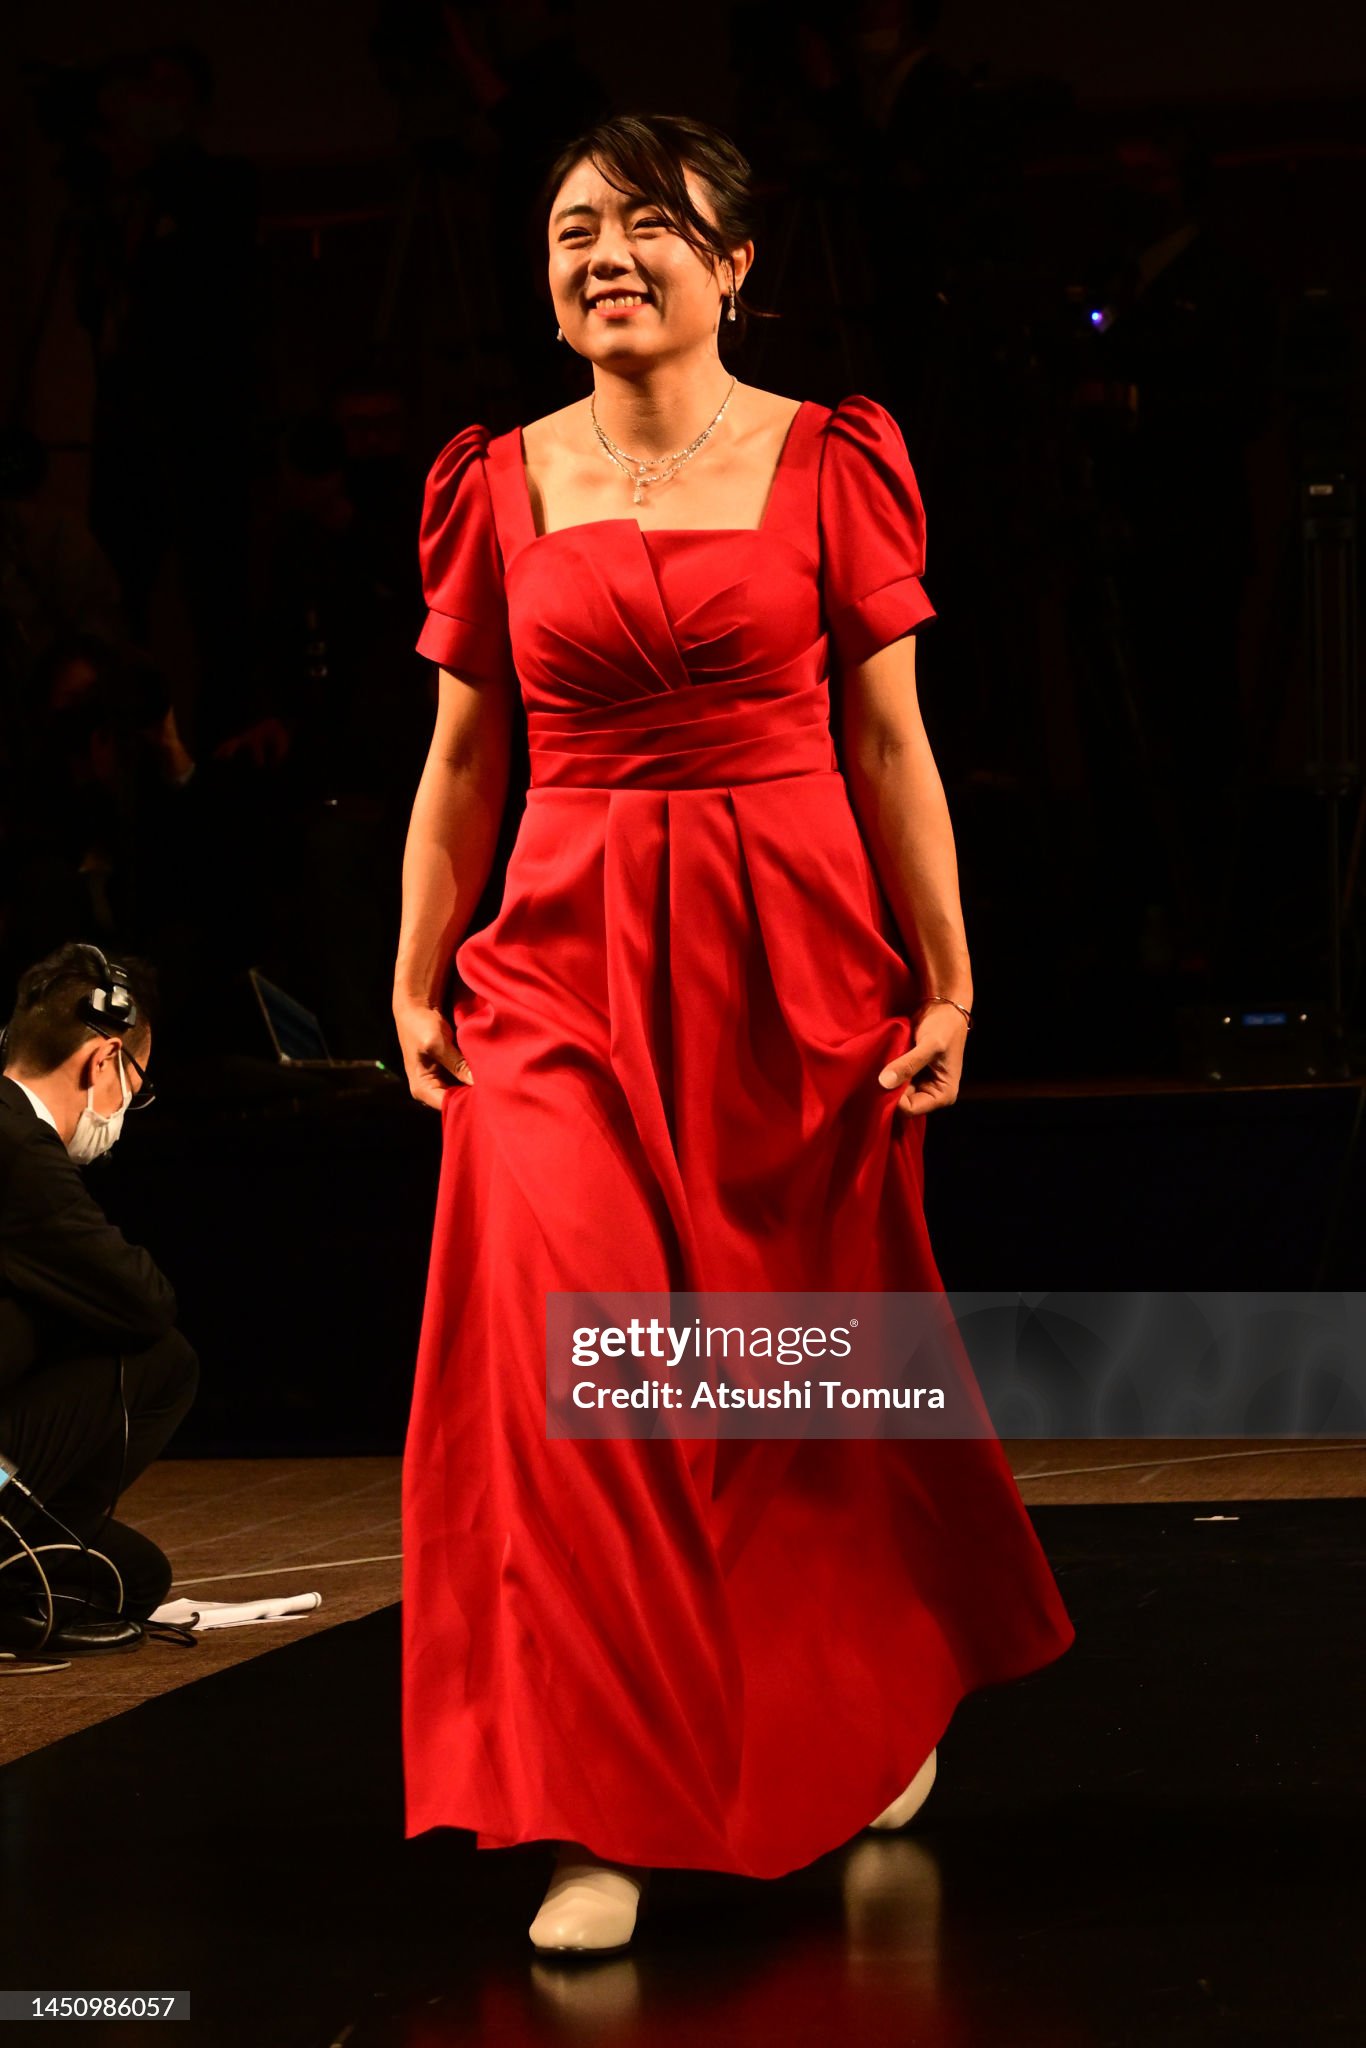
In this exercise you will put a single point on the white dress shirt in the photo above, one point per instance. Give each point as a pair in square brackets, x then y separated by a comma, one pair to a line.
[38, 1103]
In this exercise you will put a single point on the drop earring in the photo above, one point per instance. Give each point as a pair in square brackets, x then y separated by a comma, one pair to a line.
[731, 314]
[559, 334]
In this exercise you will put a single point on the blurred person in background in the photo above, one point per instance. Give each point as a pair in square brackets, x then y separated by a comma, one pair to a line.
[167, 274]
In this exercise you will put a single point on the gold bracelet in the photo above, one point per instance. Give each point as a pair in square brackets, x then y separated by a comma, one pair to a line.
[946, 999]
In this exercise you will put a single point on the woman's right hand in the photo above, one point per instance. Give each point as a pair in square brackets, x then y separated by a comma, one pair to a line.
[432, 1060]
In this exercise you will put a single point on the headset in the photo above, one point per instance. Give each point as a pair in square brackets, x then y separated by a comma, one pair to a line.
[109, 1006]
[108, 1009]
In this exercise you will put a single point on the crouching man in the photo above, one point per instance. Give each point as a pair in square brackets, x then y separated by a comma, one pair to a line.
[94, 1375]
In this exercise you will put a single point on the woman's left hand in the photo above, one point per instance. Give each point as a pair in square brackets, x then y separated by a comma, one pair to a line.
[929, 1073]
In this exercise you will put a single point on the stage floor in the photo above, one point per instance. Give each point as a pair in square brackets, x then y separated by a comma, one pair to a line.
[1154, 1840]
[235, 1528]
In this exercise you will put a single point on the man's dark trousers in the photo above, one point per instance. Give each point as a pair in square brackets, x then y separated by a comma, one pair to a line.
[62, 1428]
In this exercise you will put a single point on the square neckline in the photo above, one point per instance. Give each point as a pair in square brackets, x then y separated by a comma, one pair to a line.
[586, 525]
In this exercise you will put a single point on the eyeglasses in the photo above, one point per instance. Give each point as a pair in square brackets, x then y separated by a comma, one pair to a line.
[142, 1097]
[147, 1093]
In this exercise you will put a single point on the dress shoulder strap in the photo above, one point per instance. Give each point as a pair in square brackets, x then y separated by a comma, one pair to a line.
[512, 514]
[792, 503]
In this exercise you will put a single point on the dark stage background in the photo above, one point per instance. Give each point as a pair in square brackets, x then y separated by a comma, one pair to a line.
[261, 262]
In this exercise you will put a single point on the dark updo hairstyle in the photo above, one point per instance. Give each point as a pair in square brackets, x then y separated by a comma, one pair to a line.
[646, 155]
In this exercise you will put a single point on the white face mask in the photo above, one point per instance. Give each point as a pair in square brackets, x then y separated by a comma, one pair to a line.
[95, 1134]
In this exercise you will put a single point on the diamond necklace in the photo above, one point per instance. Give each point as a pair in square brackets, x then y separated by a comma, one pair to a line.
[665, 465]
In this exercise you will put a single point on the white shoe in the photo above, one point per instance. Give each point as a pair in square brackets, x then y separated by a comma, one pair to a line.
[912, 1799]
[590, 1906]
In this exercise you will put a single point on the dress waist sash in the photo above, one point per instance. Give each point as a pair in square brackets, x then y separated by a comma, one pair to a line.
[696, 738]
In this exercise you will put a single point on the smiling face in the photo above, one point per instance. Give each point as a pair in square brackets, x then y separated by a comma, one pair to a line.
[625, 284]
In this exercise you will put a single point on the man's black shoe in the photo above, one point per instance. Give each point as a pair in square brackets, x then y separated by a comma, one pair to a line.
[79, 1638]
[23, 1630]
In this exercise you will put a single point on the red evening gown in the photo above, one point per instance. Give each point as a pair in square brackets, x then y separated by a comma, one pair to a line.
[720, 1654]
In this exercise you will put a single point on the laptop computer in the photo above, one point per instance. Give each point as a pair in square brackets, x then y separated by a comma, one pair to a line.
[295, 1032]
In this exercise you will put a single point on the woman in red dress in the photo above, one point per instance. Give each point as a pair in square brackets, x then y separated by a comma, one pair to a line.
[687, 1054]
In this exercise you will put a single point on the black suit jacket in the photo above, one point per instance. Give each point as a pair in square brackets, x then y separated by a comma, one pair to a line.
[68, 1276]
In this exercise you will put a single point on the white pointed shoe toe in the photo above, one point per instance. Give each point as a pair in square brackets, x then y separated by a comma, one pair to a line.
[590, 1908]
[912, 1799]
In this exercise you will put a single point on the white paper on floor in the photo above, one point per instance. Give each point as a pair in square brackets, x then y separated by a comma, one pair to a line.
[202, 1614]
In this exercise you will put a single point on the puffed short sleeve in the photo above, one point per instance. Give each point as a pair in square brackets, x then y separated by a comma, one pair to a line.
[466, 630]
[872, 532]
